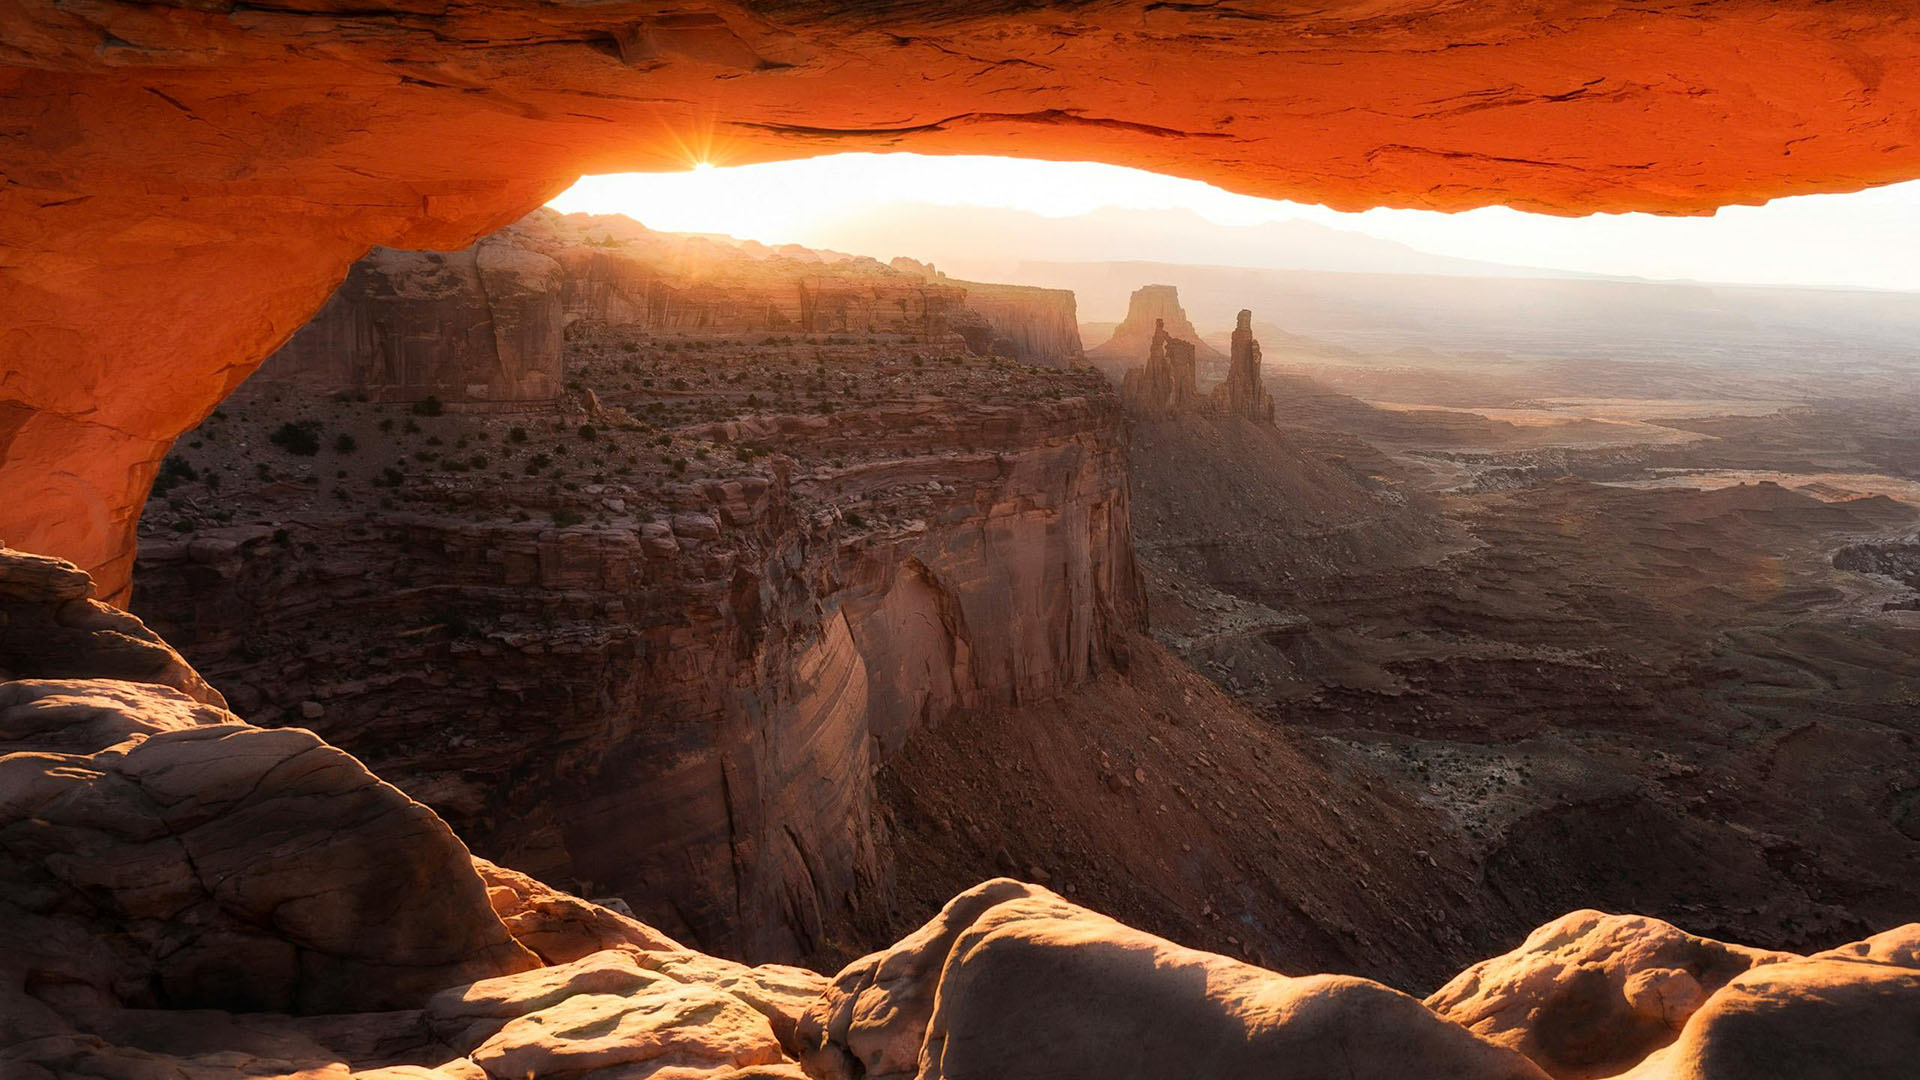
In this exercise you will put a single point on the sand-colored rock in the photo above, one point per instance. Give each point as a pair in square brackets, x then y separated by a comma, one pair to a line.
[563, 929]
[669, 1026]
[1899, 946]
[1244, 393]
[481, 324]
[1011, 981]
[161, 852]
[1590, 994]
[1165, 386]
[51, 628]
[1151, 310]
[1811, 1019]
[560, 928]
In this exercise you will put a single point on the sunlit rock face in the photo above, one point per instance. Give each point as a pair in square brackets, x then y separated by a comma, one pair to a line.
[481, 324]
[187, 184]
[1152, 310]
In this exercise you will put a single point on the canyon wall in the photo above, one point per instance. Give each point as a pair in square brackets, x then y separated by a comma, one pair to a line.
[1024, 323]
[687, 706]
[483, 324]
[617, 271]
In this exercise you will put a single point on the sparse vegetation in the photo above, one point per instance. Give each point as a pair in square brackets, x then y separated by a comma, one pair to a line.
[298, 437]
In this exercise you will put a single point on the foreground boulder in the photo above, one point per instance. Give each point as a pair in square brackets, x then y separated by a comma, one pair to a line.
[51, 627]
[1590, 994]
[1011, 981]
[1809, 1019]
[160, 852]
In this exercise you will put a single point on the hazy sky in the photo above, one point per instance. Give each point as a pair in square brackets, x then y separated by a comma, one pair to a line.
[1868, 239]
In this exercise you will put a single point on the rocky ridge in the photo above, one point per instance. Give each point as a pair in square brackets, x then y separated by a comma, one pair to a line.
[488, 324]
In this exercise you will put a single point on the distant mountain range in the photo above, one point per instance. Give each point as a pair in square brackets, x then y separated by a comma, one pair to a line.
[989, 244]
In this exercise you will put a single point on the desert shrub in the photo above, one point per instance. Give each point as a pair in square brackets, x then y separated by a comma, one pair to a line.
[345, 444]
[301, 438]
[173, 471]
[516, 434]
[589, 432]
[428, 406]
[567, 515]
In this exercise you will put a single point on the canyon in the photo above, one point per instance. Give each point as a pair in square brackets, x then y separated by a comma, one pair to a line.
[441, 639]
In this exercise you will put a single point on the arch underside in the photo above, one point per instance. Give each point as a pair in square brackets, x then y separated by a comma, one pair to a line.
[185, 184]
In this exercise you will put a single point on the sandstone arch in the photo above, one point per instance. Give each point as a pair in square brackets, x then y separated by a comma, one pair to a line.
[186, 182]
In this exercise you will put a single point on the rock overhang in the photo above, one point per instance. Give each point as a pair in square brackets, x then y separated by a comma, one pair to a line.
[187, 182]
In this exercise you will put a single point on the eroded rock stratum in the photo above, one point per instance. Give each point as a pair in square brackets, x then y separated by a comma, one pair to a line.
[187, 183]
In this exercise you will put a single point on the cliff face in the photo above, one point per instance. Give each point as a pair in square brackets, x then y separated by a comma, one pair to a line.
[684, 701]
[483, 324]
[620, 273]
[1025, 323]
[486, 324]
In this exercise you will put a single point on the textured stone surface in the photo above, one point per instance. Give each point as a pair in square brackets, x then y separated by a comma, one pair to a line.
[1243, 393]
[51, 627]
[1151, 309]
[1011, 981]
[256, 150]
[1588, 994]
[1808, 1019]
[161, 852]
[482, 324]
[1164, 386]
